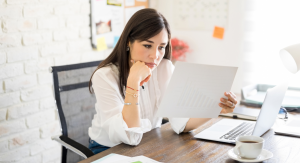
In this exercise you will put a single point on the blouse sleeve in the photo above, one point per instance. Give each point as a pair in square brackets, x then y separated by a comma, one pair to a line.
[165, 73]
[109, 108]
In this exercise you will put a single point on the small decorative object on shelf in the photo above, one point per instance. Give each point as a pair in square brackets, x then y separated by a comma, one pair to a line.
[179, 48]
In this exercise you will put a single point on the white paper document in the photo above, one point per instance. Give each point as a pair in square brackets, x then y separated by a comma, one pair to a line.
[195, 90]
[138, 159]
[291, 127]
[111, 158]
[116, 158]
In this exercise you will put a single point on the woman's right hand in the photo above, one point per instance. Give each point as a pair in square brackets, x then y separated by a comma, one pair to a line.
[140, 72]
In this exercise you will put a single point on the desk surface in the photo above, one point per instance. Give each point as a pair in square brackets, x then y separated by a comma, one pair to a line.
[164, 145]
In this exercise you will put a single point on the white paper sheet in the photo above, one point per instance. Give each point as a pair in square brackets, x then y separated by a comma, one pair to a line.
[195, 90]
[138, 159]
[291, 127]
[111, 158]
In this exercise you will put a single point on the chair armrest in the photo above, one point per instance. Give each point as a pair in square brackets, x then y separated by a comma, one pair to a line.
[73, 146]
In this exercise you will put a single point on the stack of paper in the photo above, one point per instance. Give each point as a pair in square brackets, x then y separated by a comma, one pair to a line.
[116, 158]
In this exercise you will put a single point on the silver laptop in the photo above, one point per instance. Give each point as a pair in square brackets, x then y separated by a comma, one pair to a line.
[226, 130]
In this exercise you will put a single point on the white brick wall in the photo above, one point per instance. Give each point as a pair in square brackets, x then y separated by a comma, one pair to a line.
[1, 87]
[11, 70]
[36, 93]
[21, 110]
[34, 38]
[51, 154]
[27, 137]
[80, 45]
[42, 145]
[10, 40]
[3, 146]
[3, 114]
[85, 33]
[33, 11]
[67, 34]
[16, 25]
[40, 118]
[47, 103]
[22, 54]
[67, 59]
[9, 99]
[20, 82]
[31, 159]
[78, 21]
[20, 1]
[2, 57]
[48, 23]
[34, 35]
[11, 11]
[35, 66]
[53, 49]
[11, 155]
[12, 127]
[1, 20]
[50, 129]
[45, 78]
[67, 9]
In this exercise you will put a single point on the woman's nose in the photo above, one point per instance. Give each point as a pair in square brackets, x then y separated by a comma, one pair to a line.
[155, 54]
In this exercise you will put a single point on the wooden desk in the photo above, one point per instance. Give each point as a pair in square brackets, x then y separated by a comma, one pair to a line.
[164, 145]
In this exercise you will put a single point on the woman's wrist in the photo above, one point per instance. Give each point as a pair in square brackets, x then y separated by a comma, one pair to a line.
[133, 83]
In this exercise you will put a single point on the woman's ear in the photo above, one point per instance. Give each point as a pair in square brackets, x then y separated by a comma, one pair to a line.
[129, 44]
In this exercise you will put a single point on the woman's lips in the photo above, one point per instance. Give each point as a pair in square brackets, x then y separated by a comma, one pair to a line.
[151, 65]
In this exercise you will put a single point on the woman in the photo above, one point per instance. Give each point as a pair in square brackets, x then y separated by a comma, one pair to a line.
[130, 82]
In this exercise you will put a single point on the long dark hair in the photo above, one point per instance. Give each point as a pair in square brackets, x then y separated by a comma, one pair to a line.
[143, 25]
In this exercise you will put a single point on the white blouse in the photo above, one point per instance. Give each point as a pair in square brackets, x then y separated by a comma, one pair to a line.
[108, 127]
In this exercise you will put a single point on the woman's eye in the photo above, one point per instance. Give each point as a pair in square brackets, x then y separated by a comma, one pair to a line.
[147, 46]
[161, 48]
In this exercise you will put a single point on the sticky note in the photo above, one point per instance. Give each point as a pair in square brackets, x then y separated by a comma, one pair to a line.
[116, 38]
[137, 162]
[101, 44]
[218, 32]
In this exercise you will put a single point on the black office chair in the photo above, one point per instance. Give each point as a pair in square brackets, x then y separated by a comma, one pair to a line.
[76, 107]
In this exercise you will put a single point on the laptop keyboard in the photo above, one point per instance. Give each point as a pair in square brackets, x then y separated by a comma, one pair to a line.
[244, 128]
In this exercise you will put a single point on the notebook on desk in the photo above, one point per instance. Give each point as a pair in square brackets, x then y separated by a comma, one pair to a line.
[291, 128]
[243, 113]
[226, 130]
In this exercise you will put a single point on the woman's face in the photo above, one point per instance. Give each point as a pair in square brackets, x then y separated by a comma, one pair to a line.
[150, 51]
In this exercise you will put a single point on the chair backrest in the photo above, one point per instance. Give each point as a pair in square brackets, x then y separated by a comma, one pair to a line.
[75, 104]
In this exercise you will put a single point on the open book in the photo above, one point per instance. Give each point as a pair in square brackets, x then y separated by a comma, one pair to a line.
[243, 113]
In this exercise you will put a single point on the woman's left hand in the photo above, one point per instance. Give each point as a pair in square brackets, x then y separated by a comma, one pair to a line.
[228, 105]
